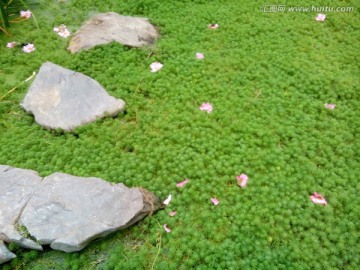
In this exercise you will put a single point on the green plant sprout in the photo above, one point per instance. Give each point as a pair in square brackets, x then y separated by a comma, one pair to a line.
[7, 7]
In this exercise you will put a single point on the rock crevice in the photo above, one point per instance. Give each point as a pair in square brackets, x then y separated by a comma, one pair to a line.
[65, 211]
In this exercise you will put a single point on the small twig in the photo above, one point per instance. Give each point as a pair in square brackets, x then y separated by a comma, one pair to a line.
[3, 29]
[138, 86]
[258, 94]
[13, 89]
[142, 78]
[18, 20]
[149, 55]
[28, 79]
[98, 261]
[157, 254]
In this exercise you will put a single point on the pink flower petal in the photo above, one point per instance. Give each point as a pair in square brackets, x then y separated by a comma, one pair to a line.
[318, 199]
[25, 14]
[11, 45]
[62, 31]
[172, 213]
[166, 228]
[242, 180]
[156, 66]
[329, 106]
[182, 183]
[29, 48]
[320, 17]
[213, 26]
[167, 201]
[215, 201]
[199, 56]
[65, 33]
[206, 107]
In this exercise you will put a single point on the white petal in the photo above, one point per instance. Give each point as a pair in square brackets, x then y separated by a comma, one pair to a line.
[167, 201]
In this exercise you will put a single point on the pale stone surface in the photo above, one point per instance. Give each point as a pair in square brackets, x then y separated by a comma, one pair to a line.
[65, 99]
[104, 28]
[17, 186]
[5, 254]
[69, 211]
[65, 211]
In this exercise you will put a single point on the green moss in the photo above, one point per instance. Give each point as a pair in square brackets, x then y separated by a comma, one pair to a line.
[267, 75]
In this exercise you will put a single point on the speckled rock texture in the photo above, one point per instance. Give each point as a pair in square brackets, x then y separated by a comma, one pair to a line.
[17, 186]
[60, 98]
[104, 28]
[65, 211]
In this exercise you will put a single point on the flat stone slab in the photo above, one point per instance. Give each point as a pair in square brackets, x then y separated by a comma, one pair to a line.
[65, 99]
[5, 254]
[65, 211]
[17, 186]
[104, 28]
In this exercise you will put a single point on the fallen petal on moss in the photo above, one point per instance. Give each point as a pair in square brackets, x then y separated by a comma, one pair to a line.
[172, 213]
[213, 26]
[242, 180]
[329, 106]
[182, 183]
[206, 106]
[215, 201]
[199, 56]
[62, 31]
[25, 14]
[156, 66]
[167, 201]
[166, 228]
[11, 45]
[318, 199]
[29, 48]
[320, 17]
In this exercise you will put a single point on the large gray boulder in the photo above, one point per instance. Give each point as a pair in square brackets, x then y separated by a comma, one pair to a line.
[104, 28]
[65, 99]
[65, 211]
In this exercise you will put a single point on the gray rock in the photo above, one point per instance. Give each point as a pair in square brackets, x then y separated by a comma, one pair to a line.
[65, 99]
[5, 254]
[17, 186]
[67, 212]
[4, 168]
[104, 28]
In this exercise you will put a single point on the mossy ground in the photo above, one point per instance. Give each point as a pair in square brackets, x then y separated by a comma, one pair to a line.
[267, 75]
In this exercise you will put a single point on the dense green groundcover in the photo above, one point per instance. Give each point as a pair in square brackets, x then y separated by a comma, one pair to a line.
[267, 76]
